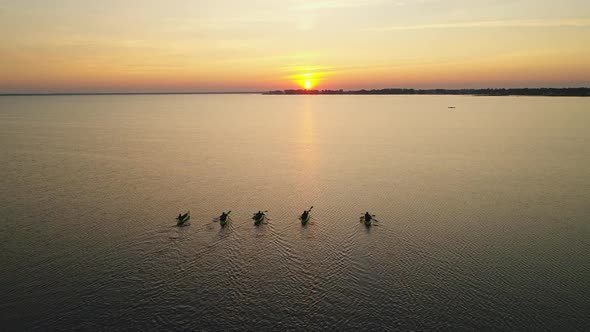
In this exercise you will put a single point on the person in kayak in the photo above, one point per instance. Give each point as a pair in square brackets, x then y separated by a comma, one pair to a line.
[258, 215]
[368, 217]
[179, 216]
[304, 214]
[223, 216]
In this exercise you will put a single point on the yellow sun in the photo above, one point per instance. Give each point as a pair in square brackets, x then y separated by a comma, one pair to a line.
[306, 81]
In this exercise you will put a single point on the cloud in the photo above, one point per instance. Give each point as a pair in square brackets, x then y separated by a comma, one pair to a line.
[575, 23]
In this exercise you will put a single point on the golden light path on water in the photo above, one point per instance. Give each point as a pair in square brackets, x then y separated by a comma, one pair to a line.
[307, 151]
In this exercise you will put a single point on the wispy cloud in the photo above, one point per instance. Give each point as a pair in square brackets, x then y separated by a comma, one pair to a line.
[576, 23]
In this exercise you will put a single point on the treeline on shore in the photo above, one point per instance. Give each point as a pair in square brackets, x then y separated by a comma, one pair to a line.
[565, 92]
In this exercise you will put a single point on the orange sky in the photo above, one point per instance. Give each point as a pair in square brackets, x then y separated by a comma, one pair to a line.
[231, 45]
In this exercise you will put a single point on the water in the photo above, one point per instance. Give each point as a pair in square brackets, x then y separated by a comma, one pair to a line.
[483, 212]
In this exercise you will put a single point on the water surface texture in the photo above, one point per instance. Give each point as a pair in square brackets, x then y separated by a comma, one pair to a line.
[483, 212]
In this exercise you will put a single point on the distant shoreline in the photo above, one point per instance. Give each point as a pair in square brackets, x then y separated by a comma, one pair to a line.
[546, 92]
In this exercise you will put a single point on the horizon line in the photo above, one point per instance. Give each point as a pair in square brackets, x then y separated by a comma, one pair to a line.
[264, 92]
[130, 93]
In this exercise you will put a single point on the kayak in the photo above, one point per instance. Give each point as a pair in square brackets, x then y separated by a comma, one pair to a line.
[368, 222]
[180, 220]
[305, 219]
[257, 221]
[223, 220]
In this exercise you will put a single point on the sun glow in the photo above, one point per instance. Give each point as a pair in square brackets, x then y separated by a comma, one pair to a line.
[307, 81]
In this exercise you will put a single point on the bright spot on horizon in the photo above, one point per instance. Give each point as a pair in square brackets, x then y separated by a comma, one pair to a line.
[307, 80]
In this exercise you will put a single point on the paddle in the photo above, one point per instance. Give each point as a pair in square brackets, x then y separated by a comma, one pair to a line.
[265, 216]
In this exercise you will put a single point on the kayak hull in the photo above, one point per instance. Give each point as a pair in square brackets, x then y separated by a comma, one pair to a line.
[183, 218]
[305, 220]
[224, 218]
[259, 220]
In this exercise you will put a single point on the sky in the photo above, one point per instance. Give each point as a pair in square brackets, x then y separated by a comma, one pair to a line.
[259, 45]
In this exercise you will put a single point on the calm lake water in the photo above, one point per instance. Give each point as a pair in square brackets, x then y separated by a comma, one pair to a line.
[484, 213]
